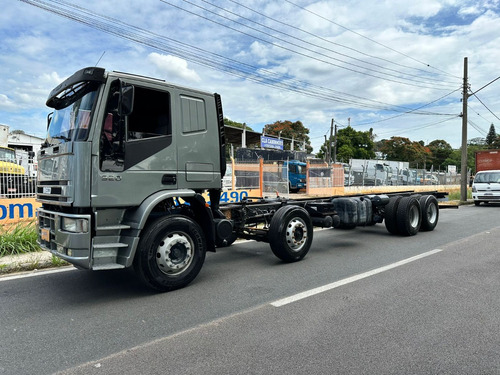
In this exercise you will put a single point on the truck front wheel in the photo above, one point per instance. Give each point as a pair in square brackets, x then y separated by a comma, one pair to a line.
[290, 233]
[170, 253]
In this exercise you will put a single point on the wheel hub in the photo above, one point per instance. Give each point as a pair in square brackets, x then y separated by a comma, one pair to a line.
[414, 216]
[431, 213]
[296, 234]
[174, 253]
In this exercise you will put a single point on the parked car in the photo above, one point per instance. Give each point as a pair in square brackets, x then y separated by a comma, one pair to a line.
[486, 187]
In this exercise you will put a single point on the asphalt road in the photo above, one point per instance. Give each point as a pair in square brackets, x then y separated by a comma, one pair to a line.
[434, 315]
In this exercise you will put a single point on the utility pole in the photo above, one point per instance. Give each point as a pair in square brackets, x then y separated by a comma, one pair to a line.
[327, 157]
[463, 170]
[335, 145]
[330, 144]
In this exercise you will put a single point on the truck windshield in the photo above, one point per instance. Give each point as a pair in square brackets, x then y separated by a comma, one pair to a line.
[7, 155]
[488, 177]
[72, 122]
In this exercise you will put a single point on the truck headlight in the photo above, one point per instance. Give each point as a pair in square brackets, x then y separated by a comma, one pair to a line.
[474, 189]
[75, 225]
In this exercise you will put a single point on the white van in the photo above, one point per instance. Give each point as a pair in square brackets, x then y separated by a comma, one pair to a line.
[486, 187]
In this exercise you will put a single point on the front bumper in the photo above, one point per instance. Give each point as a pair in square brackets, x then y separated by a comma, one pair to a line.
[74, 248]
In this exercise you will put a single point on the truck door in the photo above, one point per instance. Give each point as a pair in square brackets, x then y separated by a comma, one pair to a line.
[136, 154]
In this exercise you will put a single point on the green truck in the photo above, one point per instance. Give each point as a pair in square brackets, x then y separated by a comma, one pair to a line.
[124, 168]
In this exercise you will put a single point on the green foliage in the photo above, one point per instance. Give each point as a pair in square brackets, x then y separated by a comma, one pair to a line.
[491, 136]
[58, 262]
[351, 144]
[440, 151]
[18, 239]
[287, 129]
[402, 149]
[235, 124]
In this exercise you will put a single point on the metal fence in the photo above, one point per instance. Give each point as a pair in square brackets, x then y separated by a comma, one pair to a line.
[17, 177]
[398, 177]
[268, 177]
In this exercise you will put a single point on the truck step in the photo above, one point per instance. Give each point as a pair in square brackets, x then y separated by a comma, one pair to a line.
[108, 266]
[113, 227]
[109, 245]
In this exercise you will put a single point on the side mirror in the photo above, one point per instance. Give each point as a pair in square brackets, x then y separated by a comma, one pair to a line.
[126, 103]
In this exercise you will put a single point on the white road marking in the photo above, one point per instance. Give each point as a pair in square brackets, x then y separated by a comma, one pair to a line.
[35, 273]
[336, 284]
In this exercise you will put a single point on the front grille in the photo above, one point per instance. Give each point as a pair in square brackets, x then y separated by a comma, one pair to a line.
[489, 197]
[53, 191]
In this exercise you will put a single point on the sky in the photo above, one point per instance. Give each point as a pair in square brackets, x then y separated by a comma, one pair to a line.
[396, 67]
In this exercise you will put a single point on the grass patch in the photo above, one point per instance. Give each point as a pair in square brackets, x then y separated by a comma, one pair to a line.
[18, 239]
[455, 195]
[58, 262]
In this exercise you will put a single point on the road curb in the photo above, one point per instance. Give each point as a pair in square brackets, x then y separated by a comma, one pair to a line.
[28, 262]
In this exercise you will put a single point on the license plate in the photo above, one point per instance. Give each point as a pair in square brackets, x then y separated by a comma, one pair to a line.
[47, 190]
[45, 235]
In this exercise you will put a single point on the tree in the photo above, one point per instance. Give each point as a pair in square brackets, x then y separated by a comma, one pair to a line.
[351, 144]
[402, 149]
[491, 136]
[496, 142]
[440, 150]
[235, 124]
[290, 130]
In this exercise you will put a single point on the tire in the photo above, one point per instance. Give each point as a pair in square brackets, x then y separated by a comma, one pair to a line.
[292, 190]
[170, 253]
[290, 233]
[409, 216]
[430, 212]
[390, 217]
[477, 203]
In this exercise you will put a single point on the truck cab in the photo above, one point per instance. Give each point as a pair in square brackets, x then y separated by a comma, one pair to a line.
[120, 151]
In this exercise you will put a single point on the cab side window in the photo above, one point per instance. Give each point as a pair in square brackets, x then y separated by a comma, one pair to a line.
[126, 140]
[151, 115]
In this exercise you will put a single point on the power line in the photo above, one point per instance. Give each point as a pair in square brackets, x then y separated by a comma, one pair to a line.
[294, 51]
[419, 77]
[218, 62]
[371, 40]
[416, 109]
[477, 113]
[419, 127]
[484, 105]
[327, 40]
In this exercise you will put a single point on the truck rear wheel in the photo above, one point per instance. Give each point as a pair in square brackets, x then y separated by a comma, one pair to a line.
[430, 212]
[170, 253]
[390, 214]
[290, 233]
[409, 217]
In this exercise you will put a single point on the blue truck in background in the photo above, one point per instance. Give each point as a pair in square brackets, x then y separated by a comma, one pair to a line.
[296, 175]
